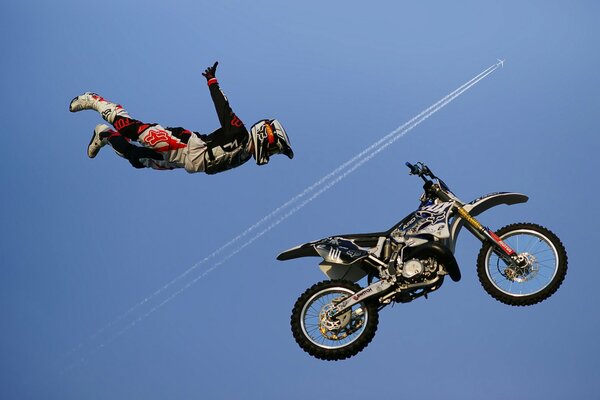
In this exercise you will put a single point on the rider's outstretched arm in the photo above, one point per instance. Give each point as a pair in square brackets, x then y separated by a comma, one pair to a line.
[229, 121]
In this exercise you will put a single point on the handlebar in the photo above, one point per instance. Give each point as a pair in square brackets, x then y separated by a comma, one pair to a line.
[414, 170]
[423, 172]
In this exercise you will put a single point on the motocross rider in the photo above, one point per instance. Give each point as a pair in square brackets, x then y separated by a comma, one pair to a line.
[228, 147]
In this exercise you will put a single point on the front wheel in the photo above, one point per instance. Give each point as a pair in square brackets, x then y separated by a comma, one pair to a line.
[540, 271]
[333, 338]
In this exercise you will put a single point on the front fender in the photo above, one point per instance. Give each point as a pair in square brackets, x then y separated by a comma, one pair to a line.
[488, 201]
[481, 205]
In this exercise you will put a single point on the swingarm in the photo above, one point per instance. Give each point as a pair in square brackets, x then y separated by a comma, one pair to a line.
[368, 292]
[378, 289]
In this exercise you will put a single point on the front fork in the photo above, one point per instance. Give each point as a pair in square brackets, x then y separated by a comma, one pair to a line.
[487, 235]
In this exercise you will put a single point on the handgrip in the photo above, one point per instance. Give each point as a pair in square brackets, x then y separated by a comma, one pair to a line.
[414, 169]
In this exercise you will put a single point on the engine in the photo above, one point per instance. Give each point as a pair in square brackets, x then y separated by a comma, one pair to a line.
[417, 270]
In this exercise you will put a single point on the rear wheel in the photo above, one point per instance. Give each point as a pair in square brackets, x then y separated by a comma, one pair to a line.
[541, 268]
[333, 338]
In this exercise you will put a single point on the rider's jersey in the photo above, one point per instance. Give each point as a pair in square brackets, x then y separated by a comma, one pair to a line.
[225, 148]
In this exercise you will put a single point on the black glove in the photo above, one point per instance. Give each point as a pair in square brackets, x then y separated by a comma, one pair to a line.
[210, 72]
[138, 152]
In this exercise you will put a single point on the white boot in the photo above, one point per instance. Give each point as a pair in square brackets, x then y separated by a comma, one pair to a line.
[99, 139]
[92, 101]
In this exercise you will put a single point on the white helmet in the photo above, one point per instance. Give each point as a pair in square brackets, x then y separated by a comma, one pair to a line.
[268, 138]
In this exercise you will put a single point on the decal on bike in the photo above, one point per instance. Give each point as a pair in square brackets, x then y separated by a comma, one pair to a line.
[334, 254]
[430, 219]
[409, 223]
[433, 218]
[501, 243]
[360, 294]
[338, 250]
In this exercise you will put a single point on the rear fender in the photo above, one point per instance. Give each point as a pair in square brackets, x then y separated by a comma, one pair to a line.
[304, 250]
[335, 250]
[341, 256]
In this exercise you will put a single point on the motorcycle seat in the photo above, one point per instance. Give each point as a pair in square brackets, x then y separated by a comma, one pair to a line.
[365, 239]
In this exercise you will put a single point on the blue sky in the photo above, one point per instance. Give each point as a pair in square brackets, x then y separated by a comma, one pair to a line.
[86, 242]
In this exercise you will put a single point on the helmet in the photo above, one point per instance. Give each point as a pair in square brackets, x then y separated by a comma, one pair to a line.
[268, 138]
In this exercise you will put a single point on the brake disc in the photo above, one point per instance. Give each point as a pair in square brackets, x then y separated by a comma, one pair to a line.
[342, 325]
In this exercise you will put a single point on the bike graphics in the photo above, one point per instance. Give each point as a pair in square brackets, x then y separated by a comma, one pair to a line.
[520, 265]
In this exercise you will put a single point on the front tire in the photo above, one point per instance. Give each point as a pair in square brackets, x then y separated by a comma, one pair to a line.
[333, 339]
[539, 276]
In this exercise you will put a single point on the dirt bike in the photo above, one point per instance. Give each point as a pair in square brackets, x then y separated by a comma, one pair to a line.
[520, 264]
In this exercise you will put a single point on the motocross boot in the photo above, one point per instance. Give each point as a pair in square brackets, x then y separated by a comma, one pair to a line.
[99, 139]
[92, 101]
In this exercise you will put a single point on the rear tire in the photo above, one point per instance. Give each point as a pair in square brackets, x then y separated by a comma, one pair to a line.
[524, 286]
[333, 339]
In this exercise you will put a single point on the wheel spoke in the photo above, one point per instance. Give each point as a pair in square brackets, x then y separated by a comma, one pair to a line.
[523, 281]
[312, 324]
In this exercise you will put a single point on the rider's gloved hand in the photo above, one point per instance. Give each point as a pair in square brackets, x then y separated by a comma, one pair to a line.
[138, 153]
[210, 72]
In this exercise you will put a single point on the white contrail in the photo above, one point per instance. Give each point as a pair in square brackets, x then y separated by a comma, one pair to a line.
[334, 177]
[296, 198]
[395, 135]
